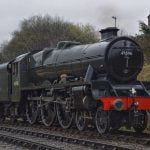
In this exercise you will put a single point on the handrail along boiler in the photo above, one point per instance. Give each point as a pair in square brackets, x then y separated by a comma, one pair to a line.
[87, 84]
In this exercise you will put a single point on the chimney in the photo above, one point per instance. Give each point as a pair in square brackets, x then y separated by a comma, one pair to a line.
[148, 20]
[109, 33]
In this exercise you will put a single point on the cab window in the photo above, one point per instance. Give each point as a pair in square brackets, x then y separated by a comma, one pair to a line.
[15, 69]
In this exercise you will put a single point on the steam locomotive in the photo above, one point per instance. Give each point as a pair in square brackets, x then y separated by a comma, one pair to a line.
[93, 84]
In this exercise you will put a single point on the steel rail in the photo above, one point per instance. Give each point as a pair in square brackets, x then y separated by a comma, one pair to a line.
[60, 138]
[26, 143]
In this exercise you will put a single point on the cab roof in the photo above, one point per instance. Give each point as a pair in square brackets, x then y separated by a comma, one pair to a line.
[21, 57]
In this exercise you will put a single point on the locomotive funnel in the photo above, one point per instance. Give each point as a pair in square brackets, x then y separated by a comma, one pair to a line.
[108, 33]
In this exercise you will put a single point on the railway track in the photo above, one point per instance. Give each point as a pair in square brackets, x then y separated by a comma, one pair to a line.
[80, 140]
[124, 136]
[23, 142]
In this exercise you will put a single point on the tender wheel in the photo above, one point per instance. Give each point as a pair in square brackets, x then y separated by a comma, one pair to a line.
[65, 117]
[48, 113]
[80, 120]
[32, 111]
[142, 122]
[102, 121]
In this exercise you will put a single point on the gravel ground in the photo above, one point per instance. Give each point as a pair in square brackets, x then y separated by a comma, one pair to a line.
[67, 146]
[111, 142]
[61, 145]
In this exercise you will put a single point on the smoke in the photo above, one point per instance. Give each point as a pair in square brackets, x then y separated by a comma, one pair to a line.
[128, 14]
[105, 13]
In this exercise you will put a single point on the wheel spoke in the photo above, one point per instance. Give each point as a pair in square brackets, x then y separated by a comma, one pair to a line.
[80, 120]
[32, 111]
[65, 118]
[48, 113]
[102, 121]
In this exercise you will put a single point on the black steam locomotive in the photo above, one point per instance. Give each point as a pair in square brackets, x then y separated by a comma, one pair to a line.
[86, 84]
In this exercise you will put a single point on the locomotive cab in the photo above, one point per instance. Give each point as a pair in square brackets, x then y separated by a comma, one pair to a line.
[19, 72]
[5, 84]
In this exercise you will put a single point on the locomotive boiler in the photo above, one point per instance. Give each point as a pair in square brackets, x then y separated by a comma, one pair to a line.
[93, 84]
[120, 59]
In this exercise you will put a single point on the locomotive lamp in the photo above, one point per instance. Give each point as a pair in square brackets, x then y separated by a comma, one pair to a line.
[133, 91]
[118, 104]
[136, 104]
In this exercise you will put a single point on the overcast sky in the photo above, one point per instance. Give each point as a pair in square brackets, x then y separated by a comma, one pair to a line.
[96, 12]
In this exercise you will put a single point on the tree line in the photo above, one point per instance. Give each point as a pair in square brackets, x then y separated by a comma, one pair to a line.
[144, 40]
[39, 32]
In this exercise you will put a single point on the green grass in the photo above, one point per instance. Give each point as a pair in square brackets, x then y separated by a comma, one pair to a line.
[148, 125]
[145, 73]
[145, 76]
